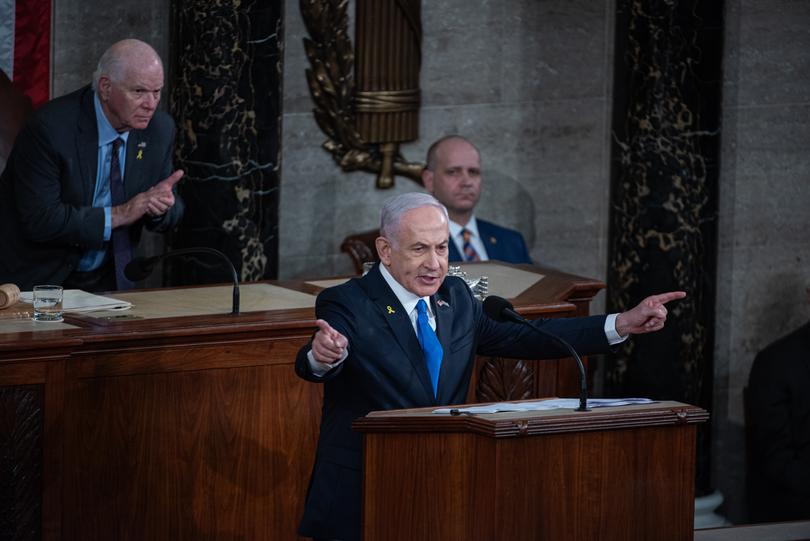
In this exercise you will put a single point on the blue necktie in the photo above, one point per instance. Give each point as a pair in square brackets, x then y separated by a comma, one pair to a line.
[122, 249]
[430, 344]
[469, 251]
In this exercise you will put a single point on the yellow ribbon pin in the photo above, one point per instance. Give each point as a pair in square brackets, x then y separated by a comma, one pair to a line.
[140, 155]
[390, 310]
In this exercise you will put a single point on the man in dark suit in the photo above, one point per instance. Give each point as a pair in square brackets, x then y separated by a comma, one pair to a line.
[404, 336]
[87, 172]
[453, 176]
[779, 430]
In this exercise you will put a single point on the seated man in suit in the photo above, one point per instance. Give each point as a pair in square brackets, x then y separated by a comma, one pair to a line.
[453, 176]
[404, 336]
[779, 431]
[87, 172]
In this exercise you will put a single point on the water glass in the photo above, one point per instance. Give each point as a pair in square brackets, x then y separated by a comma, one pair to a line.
[48, 303]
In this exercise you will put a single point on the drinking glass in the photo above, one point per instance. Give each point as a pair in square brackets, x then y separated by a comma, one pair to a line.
[48, 303]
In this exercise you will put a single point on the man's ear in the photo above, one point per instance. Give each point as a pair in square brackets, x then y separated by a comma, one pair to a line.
[427, 179]
[383, 250]
[104, 84]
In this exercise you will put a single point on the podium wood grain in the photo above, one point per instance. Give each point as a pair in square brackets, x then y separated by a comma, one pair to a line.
[617, 475]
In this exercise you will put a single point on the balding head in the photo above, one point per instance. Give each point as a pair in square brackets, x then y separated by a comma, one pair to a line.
[125, 55]
[453, 176]
[128, 82]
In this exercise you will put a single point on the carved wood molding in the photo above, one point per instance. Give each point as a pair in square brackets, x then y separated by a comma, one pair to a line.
[504, 379]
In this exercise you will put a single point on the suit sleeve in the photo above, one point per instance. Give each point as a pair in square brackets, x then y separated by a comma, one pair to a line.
[41, 198]
[770, 403]
[173, 216]
[338, 314]
[524, 249]
[506, 339]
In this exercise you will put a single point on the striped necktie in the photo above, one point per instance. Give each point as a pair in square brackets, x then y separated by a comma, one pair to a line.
[122, 248]
[431, 347]
[469, 252]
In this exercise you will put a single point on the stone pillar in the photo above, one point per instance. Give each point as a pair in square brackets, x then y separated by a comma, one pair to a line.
[663, 198]
[226, 99]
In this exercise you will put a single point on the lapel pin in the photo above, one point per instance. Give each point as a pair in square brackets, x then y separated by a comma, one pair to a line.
[390, 310]
[142, 144]
[442, 303]
[493, 240]
[140, 155]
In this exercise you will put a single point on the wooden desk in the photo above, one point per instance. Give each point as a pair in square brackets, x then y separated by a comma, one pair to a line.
[185, 427]
[614, 474]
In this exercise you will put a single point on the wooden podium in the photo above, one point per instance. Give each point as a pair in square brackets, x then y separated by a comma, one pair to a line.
[618, 473]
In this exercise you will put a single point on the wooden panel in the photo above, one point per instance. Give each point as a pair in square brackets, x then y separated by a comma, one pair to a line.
[435, 488]
[629, 484]
[621, 485]
[21, 427]
[219, 453]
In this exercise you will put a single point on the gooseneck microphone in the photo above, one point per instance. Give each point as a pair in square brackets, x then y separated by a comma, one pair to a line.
[500, 309]
[141, 267]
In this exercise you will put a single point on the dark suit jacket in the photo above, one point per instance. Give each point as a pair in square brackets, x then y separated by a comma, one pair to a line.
[501, 243]
[385, 370]
[46, 191]
[779, 415]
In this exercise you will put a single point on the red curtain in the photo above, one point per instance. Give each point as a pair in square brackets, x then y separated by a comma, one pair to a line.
[32, 49]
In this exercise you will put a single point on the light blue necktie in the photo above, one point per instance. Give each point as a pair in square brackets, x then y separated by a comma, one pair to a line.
[430, 344]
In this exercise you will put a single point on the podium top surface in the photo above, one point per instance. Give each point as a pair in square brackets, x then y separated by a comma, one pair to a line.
[529, 423]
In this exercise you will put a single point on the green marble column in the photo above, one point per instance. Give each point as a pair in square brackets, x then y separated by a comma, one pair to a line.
[664, 197]
[226, 81]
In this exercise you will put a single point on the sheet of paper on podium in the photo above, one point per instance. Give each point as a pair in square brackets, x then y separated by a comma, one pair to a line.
[77, 300]
[538, 405]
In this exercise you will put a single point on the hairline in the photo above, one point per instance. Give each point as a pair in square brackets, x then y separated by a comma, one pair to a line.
[114, 62]
[431, 157]
[394, 208]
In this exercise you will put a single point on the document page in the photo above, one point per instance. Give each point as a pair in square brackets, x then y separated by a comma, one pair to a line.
[537, 405]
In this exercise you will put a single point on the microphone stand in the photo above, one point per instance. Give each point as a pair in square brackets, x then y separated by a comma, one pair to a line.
[583, 380]
[145, 265]
[500, 309]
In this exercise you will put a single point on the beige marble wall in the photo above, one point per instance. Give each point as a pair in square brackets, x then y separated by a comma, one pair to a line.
[83, 30]
[527, 81]
[764, 247]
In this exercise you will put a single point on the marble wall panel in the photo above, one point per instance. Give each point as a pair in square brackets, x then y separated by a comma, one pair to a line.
[526, 82]
[763, 251]
[773, 54]
[82, 31]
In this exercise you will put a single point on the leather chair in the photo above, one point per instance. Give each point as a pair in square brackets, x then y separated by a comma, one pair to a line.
[361, 248]
[15, 107]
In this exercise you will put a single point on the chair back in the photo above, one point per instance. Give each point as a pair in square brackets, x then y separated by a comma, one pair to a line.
[362, 248]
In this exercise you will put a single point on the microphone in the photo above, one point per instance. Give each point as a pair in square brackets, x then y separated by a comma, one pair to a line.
[500, 309]
[141, 267]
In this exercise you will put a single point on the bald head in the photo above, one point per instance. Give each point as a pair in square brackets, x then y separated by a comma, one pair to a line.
[453, 176]
[128, 82]
[123, 56]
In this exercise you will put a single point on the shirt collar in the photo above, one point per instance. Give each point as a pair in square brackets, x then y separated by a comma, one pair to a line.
[407, 299]
[471, 226]
[106, 133]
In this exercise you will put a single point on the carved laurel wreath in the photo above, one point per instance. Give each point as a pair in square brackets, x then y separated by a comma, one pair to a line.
[331, 84]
